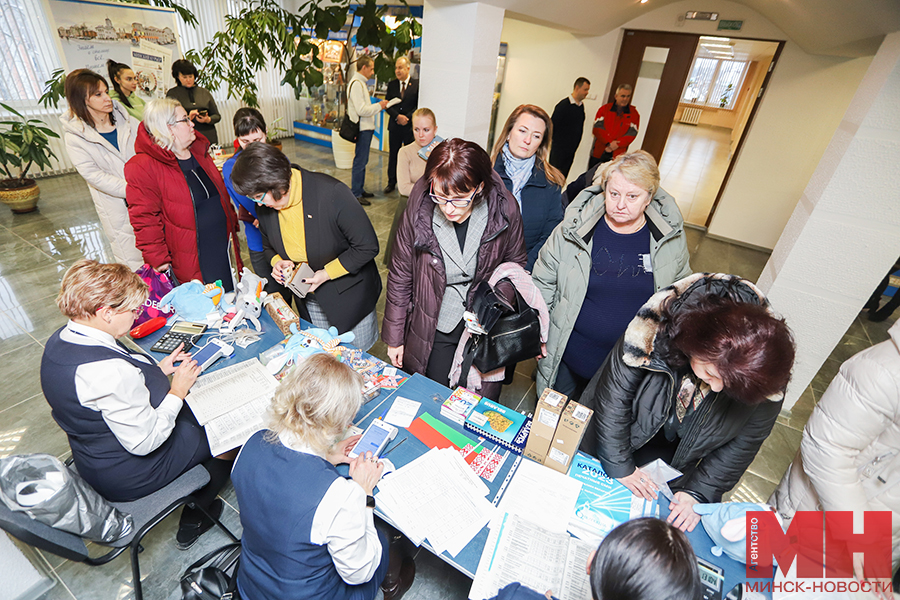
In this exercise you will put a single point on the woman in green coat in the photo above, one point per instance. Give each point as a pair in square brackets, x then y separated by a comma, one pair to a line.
[620, 241]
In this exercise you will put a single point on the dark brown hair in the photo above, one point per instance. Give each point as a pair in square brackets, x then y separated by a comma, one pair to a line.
[645, 559]
[261, 168]
[80, 84]
[247, 120]
[752, 349]
[114, 68]
[580, 82]
[460, 166]
[183, 67]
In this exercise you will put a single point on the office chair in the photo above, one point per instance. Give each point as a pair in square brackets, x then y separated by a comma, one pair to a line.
[147, 513]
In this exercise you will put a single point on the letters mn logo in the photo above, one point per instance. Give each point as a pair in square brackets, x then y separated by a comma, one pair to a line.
[817, 541]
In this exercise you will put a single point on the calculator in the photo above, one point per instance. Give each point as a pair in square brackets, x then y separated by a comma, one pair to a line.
[182, 332]
[712, 578]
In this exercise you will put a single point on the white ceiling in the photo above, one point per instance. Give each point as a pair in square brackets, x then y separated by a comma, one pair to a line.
[832, 27]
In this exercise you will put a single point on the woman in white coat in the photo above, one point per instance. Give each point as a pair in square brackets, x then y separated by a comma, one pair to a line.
[100, 136]
[849, 459]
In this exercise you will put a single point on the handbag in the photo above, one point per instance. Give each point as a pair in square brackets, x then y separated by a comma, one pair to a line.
[349, 128]
[512, 330]
[212, 582]
[160, 285]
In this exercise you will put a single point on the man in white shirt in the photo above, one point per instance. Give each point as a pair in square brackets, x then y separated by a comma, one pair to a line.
[361, 110]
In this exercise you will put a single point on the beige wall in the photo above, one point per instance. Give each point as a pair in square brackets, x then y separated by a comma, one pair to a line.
[802, 108]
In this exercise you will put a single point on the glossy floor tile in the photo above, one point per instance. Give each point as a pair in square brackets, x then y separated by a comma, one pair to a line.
[36, 249]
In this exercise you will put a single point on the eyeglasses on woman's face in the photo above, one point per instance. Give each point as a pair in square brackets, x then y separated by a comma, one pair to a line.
[184, 120]
[261, 198]
[454, 202]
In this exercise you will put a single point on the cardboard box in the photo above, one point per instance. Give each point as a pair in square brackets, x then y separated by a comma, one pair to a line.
[569, 432]
[281, 313]
[546, 418]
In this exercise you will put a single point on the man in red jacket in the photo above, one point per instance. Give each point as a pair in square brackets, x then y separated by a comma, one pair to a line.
[615, 127]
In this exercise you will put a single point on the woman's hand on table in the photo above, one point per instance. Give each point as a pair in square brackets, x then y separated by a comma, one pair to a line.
[683, 516]
[339, 453]
[280, 270]
[366, 471]
[168, 363]
[318, 278]
[185, 375]
[396, 356]
[640, 484]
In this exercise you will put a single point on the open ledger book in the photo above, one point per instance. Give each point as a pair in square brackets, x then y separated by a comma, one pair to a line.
[231, 403]
[519, 551]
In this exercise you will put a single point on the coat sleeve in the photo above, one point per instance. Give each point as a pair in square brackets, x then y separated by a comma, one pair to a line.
[861, 402]
[399, 294]
[554, 218]
[515, 247]
[144, 199]
[81, 154]
[212, 109]
[720, 470]
[361, 101]
[599, 130]
[613, 401]
[393, 91]
[354, 224]
[269, 251]
[546, 267]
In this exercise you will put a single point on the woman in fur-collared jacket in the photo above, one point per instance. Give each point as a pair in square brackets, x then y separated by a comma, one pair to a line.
[697, 380]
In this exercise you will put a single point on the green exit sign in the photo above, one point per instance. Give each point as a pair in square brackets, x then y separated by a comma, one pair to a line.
[730, 25]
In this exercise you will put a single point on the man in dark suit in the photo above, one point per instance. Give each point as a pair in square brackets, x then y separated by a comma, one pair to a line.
[400, 115]
[568, 126]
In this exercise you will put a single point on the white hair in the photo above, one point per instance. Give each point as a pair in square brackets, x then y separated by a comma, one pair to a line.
[158, 115]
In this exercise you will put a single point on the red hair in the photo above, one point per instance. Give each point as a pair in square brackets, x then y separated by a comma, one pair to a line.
[460, 166]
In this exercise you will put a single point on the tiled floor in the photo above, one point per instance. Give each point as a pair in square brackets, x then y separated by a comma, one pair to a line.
[693, 166]
[35, 251]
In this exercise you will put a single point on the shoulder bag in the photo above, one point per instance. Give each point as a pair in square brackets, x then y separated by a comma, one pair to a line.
[212, 582]
[349, 128]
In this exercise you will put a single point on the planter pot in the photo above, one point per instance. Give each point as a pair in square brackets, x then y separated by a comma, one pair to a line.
[343, 151]
[20, 199]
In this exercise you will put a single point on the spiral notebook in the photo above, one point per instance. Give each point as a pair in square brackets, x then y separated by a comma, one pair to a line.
[499, 424]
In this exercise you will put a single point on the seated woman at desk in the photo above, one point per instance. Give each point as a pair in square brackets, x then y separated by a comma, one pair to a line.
[643, 559]
[307, 217]
[308, 531]
[459, 226]
[696, 380]
[128, 427]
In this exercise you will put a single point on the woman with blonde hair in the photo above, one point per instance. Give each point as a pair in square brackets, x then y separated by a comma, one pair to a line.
[522, 158]
[100, 138]
[623, 240]
[307, 531]
[177, 201]
[129, 429]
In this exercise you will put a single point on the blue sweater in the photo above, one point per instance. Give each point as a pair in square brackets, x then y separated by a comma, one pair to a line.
[254, 237]
[541, 208]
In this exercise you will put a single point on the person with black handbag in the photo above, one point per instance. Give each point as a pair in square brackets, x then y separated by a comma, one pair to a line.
[460, 224]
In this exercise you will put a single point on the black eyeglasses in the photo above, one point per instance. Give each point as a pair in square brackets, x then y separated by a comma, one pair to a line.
[454, 202]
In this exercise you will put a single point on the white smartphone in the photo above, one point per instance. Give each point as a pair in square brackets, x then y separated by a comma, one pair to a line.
[375, 438]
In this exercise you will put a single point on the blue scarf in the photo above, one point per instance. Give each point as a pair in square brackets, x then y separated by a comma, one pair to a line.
[519, 171]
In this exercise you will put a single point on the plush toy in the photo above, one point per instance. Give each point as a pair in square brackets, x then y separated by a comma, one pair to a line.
[190, 301]
[726, 524]
[303, 344]
[249, 301]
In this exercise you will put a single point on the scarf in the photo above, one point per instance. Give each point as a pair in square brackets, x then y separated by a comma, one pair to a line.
[518, 170]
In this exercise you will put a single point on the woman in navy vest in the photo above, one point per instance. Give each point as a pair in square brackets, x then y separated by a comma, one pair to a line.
[127, 426]
[308, 532]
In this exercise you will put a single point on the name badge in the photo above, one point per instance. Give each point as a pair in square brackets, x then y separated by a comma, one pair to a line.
[645, 261]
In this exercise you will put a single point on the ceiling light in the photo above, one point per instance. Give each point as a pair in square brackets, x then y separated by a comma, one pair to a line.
[708, 38]
[643, 1]
[726, 46]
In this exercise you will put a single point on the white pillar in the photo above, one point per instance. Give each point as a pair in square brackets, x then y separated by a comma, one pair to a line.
[460, 43]
[844, 234]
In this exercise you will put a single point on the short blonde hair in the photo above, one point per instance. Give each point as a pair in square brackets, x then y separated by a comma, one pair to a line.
[425, 112]
[317, 401]
[638, 168]
[88, 286]
[158, 115]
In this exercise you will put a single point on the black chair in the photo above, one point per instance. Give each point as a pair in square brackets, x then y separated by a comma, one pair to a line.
[147, 512]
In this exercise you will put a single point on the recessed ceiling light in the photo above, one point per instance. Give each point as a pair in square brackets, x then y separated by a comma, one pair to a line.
[726, 46]
[709, 38]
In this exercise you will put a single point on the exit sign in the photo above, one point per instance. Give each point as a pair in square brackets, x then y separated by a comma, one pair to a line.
[730, 25]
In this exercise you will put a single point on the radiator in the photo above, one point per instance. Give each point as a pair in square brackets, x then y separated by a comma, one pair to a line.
[691, 116]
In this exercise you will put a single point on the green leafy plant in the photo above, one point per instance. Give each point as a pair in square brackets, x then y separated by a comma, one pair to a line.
[726, 95]
[264, 32]
[274, 130]
[23, 143]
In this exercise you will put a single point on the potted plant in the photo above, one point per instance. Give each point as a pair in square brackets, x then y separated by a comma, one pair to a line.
[274, 130]
[23, 143]
[726, 95]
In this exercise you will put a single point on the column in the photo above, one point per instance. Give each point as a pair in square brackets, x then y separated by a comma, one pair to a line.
[460, 43]
[844, 234]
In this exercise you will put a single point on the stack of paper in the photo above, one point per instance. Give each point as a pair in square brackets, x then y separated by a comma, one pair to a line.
[520, 551]
[541, 495]
[231, 403]
[436, 497]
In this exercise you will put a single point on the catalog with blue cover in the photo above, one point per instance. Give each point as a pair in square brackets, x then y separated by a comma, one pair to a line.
[499, 424]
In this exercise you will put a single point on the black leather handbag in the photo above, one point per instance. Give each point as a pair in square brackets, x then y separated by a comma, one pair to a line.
[349, 129]
[513, 330]
[212, 582]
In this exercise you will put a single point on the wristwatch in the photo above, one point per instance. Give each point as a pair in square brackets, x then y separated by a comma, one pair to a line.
[370, 501]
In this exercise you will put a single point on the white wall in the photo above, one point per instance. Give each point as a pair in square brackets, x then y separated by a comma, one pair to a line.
[801, 110]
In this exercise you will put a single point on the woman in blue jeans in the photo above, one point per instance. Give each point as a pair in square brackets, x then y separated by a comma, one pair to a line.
[308, 532]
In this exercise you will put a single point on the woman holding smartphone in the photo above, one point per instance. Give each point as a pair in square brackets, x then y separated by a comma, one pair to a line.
[198, 103]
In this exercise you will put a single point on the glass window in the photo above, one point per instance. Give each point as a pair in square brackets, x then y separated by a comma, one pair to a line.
[714, 82]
